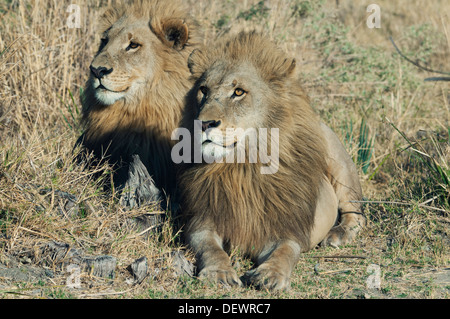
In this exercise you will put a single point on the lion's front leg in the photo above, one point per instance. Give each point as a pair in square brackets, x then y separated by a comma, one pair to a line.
[212, 261]
[276, 263]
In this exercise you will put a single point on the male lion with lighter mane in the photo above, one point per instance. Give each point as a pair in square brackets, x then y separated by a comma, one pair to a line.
[247, 82]
[138, 80]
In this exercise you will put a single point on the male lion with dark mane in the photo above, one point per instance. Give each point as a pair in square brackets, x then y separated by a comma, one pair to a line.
[246, 82]
[135, 93]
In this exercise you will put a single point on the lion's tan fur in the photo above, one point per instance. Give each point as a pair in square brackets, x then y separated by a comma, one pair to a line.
[143, 123]
[247, 209]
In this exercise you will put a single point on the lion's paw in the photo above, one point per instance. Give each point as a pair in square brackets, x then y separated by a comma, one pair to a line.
[223, 275]
[339, 236]
[267, 277]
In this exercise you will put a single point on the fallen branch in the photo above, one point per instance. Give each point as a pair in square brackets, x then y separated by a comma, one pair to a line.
[420, 66]
[344, 257]
[106, 293]
[398, 203]
[145, 231]
[440, 78]
[318, 272]
[35, 232]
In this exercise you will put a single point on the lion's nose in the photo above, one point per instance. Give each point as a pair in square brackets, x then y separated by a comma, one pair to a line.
[100, 72]
[210, 124]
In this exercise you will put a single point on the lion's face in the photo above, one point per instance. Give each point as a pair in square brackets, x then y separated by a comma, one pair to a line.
[131, 55]
[125, 61]
[232, 103]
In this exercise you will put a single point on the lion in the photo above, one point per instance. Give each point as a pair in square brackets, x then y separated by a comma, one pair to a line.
[135, 93]
[312, 195]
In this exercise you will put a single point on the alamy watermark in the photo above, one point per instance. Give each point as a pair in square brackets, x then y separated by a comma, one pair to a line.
[374, 19]
[74, 19]
[74, 279]
[373, 281]
[235, 146]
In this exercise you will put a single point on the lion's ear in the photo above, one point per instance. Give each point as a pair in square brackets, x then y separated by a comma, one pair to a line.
[172, 32]
[197, 62]
[282, 70]
[108, 18]
[287, 68]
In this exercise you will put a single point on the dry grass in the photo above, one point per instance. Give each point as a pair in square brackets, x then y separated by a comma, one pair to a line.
[351, 73]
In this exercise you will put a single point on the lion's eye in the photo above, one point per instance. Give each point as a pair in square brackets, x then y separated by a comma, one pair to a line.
[104, 41]
[204, 90]
[239, 92]
[133, 46]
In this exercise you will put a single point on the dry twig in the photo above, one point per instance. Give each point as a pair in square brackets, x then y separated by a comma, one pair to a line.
[420, 66]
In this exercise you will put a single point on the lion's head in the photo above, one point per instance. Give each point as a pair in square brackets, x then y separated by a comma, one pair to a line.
[138, 79]
[241, 87]
[134, 44]
[139, 41]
